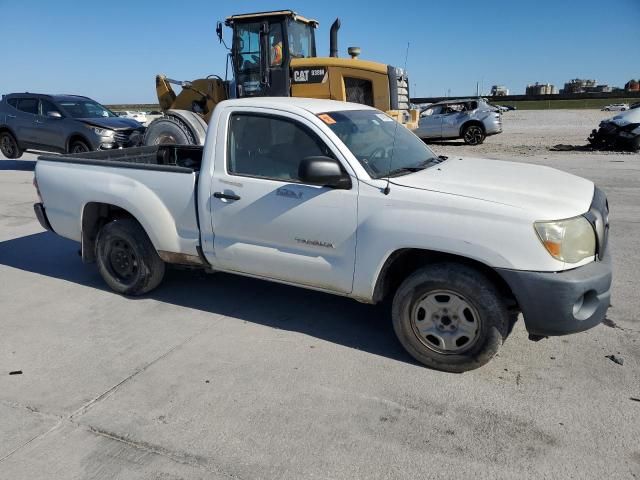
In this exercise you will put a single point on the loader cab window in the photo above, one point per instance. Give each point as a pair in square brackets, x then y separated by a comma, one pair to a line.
[301, 38]
[247, 47]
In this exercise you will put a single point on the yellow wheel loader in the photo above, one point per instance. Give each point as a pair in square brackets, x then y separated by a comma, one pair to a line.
[274, 54]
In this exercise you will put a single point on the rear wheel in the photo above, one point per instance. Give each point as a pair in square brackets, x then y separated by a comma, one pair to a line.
[450, 317]
[78, 146]
[126, 258]
[9, 146]
[168, 131]
[473, 135]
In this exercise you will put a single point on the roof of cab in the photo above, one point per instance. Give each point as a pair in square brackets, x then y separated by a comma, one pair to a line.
[313, 105]
[274, 13]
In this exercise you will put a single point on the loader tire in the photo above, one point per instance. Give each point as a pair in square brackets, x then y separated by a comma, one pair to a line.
[168, 131]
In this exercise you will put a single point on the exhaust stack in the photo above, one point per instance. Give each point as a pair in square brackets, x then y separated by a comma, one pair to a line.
[333, 38]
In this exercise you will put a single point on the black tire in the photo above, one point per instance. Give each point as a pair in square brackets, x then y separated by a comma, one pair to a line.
[168, 131]
[486, 315]
[473, 134]
[78, 146]
[126, 258]
[9, 146]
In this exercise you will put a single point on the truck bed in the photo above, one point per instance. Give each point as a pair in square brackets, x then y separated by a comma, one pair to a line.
[174, 158]
[157, 185]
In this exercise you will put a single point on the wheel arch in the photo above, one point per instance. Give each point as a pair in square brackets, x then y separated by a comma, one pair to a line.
[468, 123]
[403, 262]
[77, 136]
[94, 216]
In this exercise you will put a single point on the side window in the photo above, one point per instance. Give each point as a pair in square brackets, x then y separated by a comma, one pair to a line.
[275, 44]
[46, 106]
[270, 147]
[13, 102]
[28, 105]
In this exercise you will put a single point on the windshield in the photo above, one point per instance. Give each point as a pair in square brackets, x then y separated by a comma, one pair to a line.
[85, 109]
[301, 40]
[381, 145]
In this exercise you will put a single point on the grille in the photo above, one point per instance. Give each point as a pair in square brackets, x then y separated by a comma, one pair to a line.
[403, 92]
[126, 138]
[358, 91]
[398, 88]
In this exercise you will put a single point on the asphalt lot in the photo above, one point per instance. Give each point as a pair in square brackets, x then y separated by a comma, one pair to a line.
[216, 376]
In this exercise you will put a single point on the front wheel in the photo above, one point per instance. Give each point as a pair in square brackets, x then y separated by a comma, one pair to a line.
[450, 317]
[9, 146]
[126, 258]
[473, 135]
[78, 146]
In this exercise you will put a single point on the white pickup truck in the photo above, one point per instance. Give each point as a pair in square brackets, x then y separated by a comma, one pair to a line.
[338, 197]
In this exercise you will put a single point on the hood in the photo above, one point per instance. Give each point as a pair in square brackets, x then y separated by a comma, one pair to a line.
[625, 118]
[548, 193]
[113, 123]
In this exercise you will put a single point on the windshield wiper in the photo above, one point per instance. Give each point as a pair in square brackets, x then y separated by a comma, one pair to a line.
[404, 170]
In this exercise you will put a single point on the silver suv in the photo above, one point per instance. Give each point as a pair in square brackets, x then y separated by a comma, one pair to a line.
[471, 119]
[62, 124]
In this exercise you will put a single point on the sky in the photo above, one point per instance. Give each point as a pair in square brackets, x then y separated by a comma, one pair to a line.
[111, 50]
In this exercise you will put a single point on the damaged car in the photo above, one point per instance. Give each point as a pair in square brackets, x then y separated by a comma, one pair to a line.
[472, 119]
[621, 132]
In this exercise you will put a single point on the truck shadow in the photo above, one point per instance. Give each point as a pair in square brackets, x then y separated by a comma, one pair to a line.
[323, 316]
[21, 165]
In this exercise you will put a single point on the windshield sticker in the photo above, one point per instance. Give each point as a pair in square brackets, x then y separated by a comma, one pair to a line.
[383, 117]
[326, 119]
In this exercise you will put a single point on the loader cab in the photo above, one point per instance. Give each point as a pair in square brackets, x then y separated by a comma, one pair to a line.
[262, 48]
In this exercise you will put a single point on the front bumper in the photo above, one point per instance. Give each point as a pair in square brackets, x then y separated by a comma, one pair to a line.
[564, 302]
[41, 215]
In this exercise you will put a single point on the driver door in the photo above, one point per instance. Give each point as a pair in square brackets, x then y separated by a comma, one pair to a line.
[265, 221]
[430, 123]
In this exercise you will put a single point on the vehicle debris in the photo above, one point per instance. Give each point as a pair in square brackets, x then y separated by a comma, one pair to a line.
[621, 132]
[615, 359]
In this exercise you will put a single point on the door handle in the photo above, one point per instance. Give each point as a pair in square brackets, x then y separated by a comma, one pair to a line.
[39, 121]
[226, 196]
[11, 116]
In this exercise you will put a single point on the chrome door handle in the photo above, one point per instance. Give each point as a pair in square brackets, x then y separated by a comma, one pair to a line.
[38, 121]
[226, 196]
[11, 116]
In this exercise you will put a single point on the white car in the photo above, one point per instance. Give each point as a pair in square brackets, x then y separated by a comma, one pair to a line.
[138, 116]
[338, 197]
[616, 107]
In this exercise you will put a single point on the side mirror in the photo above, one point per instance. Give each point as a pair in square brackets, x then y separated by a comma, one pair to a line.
[219, 31]
[324, 171]
[54, 114]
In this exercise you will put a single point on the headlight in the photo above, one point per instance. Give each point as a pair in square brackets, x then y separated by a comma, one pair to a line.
[568, 240]
[103, 132]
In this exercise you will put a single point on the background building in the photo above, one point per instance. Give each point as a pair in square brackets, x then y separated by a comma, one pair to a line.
[541, 89]
[578, 85]
[632, 86]
[499, 91]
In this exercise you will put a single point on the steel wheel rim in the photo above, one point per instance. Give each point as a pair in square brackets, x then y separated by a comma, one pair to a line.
[473, 135]
[445, 321]
[122, 261]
